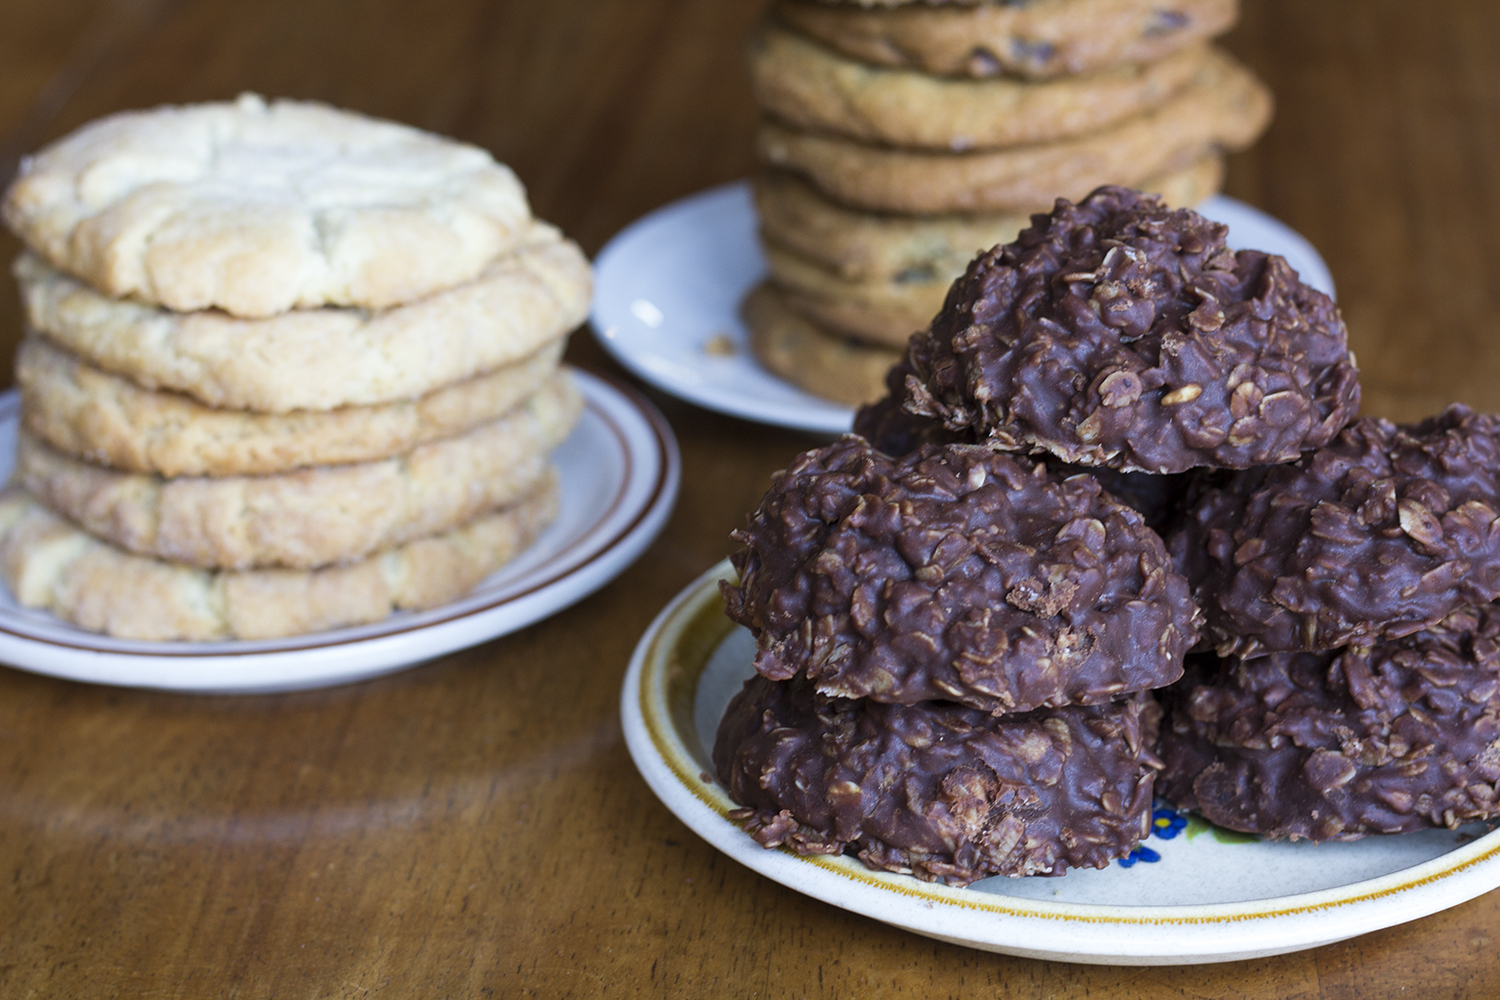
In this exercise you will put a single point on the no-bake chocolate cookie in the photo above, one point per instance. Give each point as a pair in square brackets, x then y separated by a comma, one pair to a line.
[1332, 746]
[1120, 333]
[937, 790]
[959, 573]
[1384, 531]
[893, 430]
[890, 429]
[1158, 499]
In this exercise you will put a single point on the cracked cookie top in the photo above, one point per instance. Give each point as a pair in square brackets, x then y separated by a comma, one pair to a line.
[256, 207]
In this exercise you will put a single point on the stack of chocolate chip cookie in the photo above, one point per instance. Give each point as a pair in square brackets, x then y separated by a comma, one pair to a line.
[1349, 678]
[903, 137]
[288, 368]
[954, 650]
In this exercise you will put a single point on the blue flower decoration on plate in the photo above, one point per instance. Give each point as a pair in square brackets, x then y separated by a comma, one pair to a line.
[1145, 854]
[1166, 823]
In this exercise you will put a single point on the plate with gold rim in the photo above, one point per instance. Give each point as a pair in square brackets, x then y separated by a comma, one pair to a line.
[1191, 893]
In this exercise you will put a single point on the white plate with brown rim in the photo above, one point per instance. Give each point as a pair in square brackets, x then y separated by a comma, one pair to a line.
[1191, 894]
[618, 472]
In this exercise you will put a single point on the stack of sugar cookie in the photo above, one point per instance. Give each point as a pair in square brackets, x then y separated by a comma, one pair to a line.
[288, 368]
[902, 137]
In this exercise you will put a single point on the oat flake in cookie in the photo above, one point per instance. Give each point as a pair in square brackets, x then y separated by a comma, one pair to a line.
[956, 573]
[1383, 532]
[938, 790]
[1119, 333]
[892, 429]
[1332, 746]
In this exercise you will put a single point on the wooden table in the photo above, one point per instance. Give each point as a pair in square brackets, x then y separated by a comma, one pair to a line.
[474, 826]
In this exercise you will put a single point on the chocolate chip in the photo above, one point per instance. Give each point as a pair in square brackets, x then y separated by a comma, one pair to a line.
[982, 62]
[916, 275]
[1034, 55]
[1164, 22]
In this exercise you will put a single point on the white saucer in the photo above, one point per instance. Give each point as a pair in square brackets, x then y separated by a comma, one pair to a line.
[1210, 897]
[619, 472]
[672, 281]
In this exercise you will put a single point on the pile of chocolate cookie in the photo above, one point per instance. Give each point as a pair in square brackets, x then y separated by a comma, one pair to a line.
[955, 647]
[902, 137]
[1120, 380]
[1354, 685]
[288, 368]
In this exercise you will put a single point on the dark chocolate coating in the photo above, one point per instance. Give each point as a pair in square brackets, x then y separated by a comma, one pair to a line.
[1120, 333]
[1158, 499]
[1400, 736]
[938, 790]
[896, 432]
[956, 573]
[1381, 533]
[893, 430]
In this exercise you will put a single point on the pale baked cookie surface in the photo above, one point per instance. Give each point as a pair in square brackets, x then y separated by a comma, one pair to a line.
[311, 517]
[319, 359]
[48, 563]
[861, 246]
[256, 208]
[1039, 39]
[812, 86]
[1224, 107]
[819, 361]
[109, 420]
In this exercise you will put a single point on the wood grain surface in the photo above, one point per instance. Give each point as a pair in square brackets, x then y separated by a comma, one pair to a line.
[473, 827]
